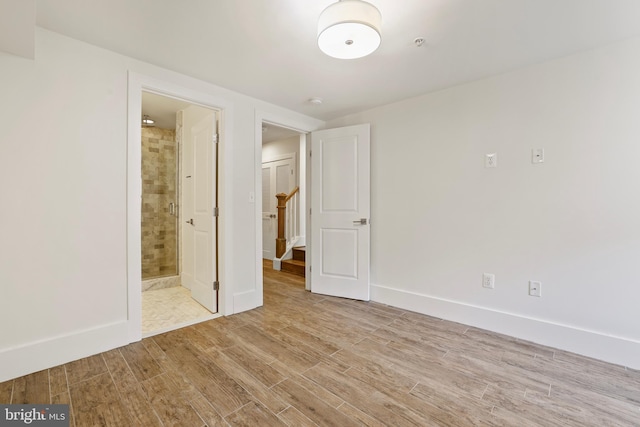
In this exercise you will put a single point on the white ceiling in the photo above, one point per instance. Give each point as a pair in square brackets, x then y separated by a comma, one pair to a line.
[268, 50]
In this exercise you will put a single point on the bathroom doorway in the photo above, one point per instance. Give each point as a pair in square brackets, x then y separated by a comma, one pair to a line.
[178, 231]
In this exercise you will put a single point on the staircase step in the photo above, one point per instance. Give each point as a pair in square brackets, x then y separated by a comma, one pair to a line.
[300, 253]
[293, 266]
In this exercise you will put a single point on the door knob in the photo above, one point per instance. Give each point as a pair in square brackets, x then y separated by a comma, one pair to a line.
[190, 221]
[361, 221]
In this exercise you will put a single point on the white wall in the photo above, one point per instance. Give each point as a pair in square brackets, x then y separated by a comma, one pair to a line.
[440, 219]
[63, 222]
[271, 150]
[17, 21]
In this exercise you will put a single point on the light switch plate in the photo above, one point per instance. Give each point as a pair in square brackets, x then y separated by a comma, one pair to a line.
[537, 155]
[535, 288]
[491, 160]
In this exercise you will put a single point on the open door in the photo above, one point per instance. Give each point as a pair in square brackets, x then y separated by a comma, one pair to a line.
[200, 187]
[340, 212]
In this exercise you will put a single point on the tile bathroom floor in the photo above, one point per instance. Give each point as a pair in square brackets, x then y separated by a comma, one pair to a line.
[170, 308]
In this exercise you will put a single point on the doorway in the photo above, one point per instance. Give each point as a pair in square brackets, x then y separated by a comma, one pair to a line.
[283, 171]
[350, 147]
[279, 176]
[178, 229]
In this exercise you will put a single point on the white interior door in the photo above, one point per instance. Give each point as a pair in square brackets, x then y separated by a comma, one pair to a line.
[199, 233]
[278, 176]
[340, 212]
[269, 216]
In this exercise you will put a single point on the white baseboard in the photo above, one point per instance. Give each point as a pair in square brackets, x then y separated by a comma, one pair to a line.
[243, 301]
[613, 349]
[36, 356]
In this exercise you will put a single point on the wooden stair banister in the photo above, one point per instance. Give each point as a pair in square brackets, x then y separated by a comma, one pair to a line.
[281, 241]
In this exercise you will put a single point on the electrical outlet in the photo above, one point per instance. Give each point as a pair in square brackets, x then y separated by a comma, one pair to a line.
[488, 280]
[491, 160]
[535, 288]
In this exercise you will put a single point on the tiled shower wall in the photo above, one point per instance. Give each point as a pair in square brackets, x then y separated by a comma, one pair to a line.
[159, 227]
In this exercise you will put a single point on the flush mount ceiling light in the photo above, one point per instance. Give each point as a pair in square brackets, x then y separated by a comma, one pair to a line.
[349, 29]
[146, 121]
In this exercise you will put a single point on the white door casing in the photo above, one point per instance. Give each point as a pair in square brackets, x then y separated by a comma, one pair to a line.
[278, 176]
[199, 232]
[340, 212]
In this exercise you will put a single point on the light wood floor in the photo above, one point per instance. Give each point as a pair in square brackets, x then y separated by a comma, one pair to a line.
[306, 360]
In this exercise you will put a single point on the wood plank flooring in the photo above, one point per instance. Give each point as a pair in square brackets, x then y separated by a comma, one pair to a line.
[309, 360]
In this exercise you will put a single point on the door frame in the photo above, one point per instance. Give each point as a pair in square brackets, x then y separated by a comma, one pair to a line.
[277, 158]
[303, 127]
[137, 83]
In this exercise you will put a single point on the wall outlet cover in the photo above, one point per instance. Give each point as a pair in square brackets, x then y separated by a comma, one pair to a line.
[488, 280]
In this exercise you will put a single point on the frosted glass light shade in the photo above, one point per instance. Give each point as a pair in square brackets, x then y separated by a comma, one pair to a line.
[349, 29]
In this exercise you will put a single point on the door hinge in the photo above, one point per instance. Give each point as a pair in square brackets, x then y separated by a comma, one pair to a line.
[216, 286]
[309, 211]
[216, 211]
[291, 171]
[215, 138]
